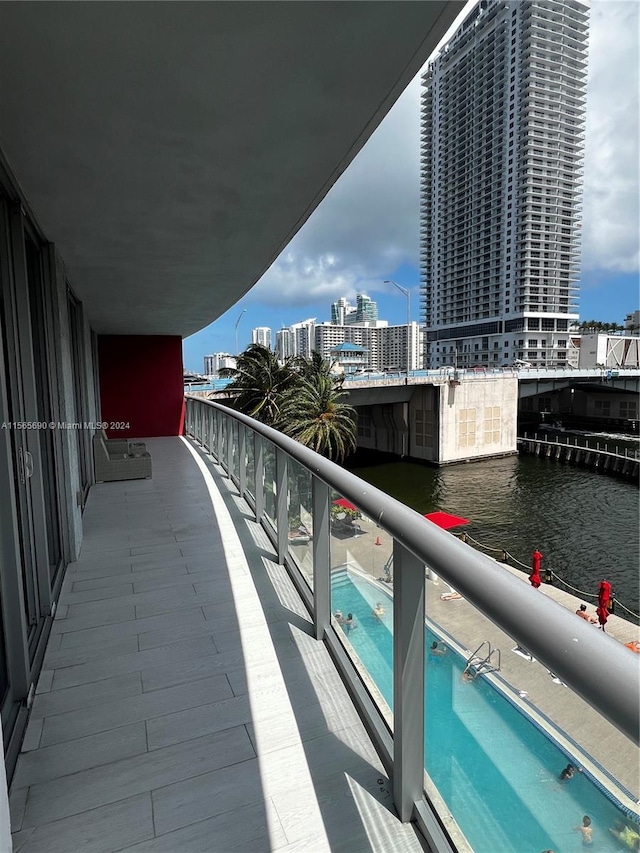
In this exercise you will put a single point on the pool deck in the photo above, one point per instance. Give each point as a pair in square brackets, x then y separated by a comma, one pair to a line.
[184, 705]
[581, 723]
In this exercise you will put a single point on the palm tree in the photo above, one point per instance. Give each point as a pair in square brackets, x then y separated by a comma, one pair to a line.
[312, 414]
[299, 397]
[259, 383]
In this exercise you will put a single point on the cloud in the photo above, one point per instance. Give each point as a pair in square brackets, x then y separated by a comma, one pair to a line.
[368, 225]
[610, 224]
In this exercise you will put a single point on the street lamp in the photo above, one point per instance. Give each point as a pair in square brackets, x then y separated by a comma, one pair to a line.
[244, 311]
[408, 297]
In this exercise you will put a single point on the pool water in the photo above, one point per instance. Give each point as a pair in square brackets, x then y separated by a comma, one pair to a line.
[497, 772]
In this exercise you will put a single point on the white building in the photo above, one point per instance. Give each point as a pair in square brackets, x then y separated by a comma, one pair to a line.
[285, 343]
[261, 335]
[613, 351]
[304, 338]
[503, 112]
[343, 313]
[213, 363]
[632, 322]
[386, 346]
[340, 310]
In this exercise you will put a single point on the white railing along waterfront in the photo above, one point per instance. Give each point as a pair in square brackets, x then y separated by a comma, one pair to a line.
[266, 466]
[572, 441]
[523, 373]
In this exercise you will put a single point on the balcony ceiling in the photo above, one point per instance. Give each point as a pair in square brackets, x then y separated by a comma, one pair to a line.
[172, 150]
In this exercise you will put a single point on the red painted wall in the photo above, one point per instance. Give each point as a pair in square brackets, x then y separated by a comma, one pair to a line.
[141, 384]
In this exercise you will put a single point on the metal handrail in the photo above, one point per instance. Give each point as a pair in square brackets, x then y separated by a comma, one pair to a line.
[483, 664]
[475, 654]
[499, 654]
[594, 665]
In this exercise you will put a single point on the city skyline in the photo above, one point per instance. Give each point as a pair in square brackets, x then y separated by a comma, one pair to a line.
[367, 228]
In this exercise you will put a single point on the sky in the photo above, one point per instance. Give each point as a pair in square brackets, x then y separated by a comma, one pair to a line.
[366, 230]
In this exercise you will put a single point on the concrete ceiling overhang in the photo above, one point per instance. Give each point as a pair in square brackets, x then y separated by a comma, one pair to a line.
[171, 150]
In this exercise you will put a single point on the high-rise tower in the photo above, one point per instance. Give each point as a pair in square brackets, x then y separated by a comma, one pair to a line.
[503, 111]
[261, 335]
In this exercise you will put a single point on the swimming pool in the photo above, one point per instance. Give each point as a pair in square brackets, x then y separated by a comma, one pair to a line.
[496, 771]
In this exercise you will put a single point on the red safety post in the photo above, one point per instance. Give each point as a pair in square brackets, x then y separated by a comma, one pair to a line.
[536, 561]
[604, 597]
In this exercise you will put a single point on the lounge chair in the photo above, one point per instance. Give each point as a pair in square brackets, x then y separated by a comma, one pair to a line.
[119, 459]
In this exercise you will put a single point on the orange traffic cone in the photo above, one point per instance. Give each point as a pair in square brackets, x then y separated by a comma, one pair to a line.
[378, 542]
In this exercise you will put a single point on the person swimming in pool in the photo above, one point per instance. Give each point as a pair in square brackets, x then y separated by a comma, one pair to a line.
[627, 835]
[348, 624]
[586, 830]
[378, 611]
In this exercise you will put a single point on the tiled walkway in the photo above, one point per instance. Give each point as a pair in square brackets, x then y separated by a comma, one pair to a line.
[184, 705]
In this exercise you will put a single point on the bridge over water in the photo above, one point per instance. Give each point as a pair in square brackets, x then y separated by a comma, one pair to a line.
[449, 415]
[529, 379]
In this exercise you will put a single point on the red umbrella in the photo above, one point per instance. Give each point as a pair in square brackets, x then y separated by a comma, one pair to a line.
[344, 503]
[536, 561]
[604, 597]
[444, 520]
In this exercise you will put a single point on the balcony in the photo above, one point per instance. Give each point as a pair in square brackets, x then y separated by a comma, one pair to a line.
[183, 697]
[191, 689]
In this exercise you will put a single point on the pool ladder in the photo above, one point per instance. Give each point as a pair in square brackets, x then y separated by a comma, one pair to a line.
[482, 660]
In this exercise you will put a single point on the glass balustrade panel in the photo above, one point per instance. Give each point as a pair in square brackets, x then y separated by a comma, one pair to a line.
[222, 427]
[501, 730]
[300, 519]
[362, 597]
[235, 454]
[270, 481]
[251, 465]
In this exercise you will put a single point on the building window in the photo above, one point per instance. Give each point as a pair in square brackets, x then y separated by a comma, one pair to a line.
[364, 425]
[467, 428]
[629, 409]
[492, 425]
[603, 408]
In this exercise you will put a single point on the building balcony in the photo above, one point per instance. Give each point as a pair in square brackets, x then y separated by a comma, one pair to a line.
[194, 688]
[183, 697]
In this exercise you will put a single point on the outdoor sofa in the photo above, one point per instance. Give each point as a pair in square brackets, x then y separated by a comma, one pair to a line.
[119, 459]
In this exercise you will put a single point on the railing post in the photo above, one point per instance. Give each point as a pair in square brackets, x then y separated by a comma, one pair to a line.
[282, 500]
[242, 459]
[258, 455]
[408, 680]
[321, 556]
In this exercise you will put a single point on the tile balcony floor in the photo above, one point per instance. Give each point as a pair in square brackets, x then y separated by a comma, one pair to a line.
[183, 704]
